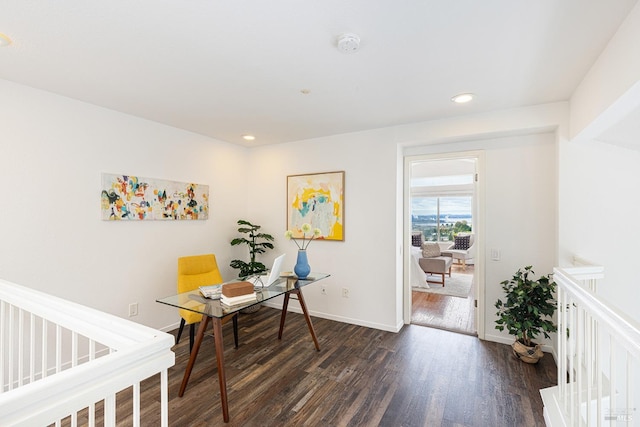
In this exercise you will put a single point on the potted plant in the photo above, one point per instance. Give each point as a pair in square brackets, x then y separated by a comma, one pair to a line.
[527, 312]
[258, 243]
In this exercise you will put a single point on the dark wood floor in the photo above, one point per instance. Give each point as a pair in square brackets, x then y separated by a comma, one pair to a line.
[361, 377]
[444, 311]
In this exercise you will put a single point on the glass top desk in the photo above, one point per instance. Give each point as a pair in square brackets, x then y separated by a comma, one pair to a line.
[214, 311]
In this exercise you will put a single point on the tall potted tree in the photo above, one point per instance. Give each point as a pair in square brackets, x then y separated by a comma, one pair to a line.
[527, 312]
[258, 243]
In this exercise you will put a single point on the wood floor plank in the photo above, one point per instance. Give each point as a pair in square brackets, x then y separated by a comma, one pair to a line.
[444, 311]
[361, 377]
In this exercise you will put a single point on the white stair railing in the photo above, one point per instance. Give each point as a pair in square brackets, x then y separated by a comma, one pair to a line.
[60, 360]
[598, 357]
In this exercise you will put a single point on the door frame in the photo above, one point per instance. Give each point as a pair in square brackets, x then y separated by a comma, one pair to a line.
[479, 285]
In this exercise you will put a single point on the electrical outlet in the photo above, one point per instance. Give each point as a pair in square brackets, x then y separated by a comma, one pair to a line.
[345, 293]
[133, 309]
[323, 289]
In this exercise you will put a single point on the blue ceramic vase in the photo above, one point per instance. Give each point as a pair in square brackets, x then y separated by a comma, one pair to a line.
[302, 268]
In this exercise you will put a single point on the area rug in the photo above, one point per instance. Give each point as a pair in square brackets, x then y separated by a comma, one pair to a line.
[458, 285]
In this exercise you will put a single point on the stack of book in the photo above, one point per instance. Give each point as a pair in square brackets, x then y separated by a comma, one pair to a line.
[238, 293]
[211, 291]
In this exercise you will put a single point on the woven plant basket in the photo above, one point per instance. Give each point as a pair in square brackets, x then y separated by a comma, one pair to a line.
[252, 309]
[527, 354]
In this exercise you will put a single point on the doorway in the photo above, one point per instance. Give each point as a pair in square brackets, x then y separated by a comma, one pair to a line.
[443, 200]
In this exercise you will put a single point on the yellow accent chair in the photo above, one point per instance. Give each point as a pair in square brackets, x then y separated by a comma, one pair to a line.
[195, 271]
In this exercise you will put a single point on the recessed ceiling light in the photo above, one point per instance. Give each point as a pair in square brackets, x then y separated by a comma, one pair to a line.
[462, 98]
[248, 137]
[4, 40]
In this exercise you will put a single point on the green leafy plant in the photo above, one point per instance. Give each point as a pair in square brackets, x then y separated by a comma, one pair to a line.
[258, 243]
[528, 307]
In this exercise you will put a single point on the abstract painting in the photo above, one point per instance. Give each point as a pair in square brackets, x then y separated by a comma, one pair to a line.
[134, 198]
[316, 199]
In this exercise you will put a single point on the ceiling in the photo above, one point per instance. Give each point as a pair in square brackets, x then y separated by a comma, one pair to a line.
[228, 68]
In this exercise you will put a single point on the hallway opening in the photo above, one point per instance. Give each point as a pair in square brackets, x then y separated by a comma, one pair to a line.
[442, 209]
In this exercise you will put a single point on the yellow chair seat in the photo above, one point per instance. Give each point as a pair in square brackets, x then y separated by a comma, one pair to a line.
[195, 271]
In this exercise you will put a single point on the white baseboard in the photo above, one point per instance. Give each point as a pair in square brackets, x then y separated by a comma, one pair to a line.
[383, 327]
[278, 306]
[170, 327]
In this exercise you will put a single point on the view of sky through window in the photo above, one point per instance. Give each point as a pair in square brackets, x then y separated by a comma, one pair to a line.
[448, 206]
[441, 216]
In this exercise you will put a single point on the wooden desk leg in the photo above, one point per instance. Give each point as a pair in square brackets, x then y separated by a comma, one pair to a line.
[194, 353]
[303, 305]
[235, 329]
[222, 379]
[283, 315]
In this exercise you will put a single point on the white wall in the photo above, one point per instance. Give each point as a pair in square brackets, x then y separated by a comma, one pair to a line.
[52, 152]
[598, 189]
[365, 261]
[610, 88]
[599, 202]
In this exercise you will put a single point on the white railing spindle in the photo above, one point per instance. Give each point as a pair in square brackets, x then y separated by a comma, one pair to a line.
[110, 411]
[20, 348]
[45, 354]
[10, 344]
[136, 405]
[32, 348]
[3, 344]
[629, 386]
[92, 407]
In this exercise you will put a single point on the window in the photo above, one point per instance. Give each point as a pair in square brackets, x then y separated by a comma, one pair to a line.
[439, 218]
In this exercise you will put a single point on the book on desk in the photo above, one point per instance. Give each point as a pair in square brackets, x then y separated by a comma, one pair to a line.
[240, 300]
[228, 289]
[211, 291]
[237, 293]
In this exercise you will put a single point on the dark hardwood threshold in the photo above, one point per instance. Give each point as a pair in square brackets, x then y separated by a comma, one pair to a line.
[443, 311]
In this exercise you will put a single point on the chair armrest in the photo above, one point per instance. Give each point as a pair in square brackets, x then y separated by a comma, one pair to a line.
[471, 252]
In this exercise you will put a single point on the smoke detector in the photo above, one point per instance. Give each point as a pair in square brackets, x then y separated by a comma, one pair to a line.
[348, 43]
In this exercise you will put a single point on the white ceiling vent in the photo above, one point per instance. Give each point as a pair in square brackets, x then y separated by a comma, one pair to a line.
[348, 43]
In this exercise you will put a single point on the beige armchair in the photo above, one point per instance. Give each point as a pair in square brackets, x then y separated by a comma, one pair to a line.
[433, 262]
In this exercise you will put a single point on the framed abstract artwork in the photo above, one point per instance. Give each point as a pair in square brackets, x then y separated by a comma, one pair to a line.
[134, 198]
[316, 199]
